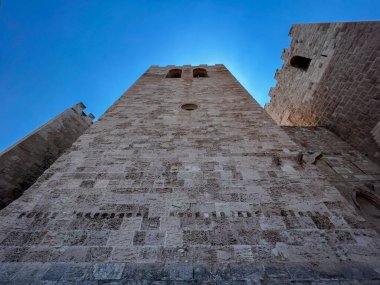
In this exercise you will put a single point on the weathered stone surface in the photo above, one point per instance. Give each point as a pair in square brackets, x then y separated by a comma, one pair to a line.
[352, 173]
[153, 192]
[108, 271]
[339, 89]
[25, 161]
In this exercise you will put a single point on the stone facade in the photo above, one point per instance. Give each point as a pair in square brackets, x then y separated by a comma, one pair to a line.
[340, 87]
[355, 176]
[25, 161]
[210, 193]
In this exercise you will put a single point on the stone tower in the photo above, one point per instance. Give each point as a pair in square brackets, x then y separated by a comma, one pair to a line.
[330, 77]
[185, 178]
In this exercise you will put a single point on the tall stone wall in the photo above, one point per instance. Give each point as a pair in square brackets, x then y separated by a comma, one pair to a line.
[353, 174]
[339, 89]
[208, 193]
[22, 163]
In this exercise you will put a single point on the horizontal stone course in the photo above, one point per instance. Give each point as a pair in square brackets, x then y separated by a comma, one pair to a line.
[121, 273]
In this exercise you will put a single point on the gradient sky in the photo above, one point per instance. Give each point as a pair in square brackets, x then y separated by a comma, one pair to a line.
[55, 53]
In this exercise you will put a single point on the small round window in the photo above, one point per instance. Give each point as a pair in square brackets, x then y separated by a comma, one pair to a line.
[189, 106]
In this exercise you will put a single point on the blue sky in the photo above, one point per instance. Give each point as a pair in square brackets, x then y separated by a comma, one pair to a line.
[55, 53]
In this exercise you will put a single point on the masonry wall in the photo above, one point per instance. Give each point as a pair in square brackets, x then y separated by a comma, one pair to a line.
[153, 192]
[340, 88]
[22, 163]
[355, 176]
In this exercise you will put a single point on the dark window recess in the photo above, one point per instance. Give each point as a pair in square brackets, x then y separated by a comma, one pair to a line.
[189, 106]
[199, 72]
[174, 73]
[300, 62]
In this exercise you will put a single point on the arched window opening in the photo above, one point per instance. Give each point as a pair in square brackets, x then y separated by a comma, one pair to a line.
[199, 72]
[300, 62]
[174, 73]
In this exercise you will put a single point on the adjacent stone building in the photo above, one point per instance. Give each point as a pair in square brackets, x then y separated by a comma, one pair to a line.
[186, 178]
[330, 77]
[22, 163]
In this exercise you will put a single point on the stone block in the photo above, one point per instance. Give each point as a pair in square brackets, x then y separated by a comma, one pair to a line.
[108, 271]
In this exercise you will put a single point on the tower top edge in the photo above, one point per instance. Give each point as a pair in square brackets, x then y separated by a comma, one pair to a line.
[187, 66]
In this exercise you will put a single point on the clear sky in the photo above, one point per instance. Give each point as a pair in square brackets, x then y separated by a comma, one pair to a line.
[55, 53]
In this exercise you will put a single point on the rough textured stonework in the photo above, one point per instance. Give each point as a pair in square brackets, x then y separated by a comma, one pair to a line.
[22, 163]
[153, 192]
[340, 89]
[354, 175]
